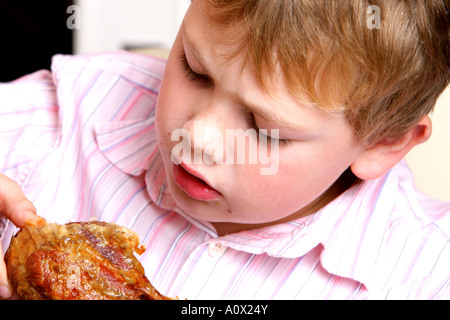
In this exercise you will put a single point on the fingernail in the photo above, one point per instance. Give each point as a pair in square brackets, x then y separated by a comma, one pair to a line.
[4, 292]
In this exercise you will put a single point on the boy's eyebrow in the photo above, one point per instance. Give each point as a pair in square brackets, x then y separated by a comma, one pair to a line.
[264, 113]
[193, 49]
[249, 106]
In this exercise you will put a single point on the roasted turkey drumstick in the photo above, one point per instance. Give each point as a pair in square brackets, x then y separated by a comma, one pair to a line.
[77, 261]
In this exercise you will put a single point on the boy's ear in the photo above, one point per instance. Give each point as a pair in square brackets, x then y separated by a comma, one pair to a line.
[376, 160]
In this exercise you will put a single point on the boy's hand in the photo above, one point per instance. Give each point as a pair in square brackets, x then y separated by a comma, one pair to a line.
[17, 208]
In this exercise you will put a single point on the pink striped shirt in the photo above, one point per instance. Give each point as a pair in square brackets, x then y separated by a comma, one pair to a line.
[80, 141]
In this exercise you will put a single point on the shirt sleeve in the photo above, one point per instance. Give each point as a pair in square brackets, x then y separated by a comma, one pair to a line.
[28, 123]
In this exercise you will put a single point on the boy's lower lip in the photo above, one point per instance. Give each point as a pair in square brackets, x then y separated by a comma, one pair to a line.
[192, 185]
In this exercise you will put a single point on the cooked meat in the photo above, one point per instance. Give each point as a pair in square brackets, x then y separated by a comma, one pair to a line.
[79, 260]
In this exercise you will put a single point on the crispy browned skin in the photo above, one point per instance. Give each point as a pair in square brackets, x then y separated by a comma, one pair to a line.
[80, 260]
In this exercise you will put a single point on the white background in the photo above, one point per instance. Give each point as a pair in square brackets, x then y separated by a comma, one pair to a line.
[108, 25]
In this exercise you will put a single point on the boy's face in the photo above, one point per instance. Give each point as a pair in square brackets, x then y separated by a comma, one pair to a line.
[205, 95]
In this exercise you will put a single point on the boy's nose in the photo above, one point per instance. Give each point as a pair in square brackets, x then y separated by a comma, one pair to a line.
[207, 139]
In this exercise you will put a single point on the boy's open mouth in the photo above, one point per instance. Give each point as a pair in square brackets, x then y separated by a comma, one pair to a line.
[192, 184]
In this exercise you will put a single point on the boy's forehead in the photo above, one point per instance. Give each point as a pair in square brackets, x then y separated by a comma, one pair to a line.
[197, 24]
[229, 43]
[226, 44]
[212, 48]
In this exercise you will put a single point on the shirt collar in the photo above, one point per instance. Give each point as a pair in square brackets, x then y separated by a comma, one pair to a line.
[352, 245]
[350, 231]
[132, 147]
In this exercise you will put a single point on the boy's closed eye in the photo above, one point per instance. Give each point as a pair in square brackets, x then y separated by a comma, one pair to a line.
[191, 74]
[263, 133]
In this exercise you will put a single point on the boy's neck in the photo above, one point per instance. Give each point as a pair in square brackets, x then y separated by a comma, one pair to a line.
[345, 181]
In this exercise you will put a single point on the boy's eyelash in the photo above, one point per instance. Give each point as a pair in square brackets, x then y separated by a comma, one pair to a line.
[191, 75]
[252, 123]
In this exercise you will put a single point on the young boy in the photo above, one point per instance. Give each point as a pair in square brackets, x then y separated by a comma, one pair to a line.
[331, 101]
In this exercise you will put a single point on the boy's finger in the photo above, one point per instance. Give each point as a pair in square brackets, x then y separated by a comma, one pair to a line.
[5, 291]
[13, 202]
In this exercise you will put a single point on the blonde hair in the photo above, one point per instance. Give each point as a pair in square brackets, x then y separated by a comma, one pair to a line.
[384, 79]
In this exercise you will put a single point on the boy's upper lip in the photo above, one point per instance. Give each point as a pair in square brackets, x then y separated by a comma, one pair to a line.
[196, 174]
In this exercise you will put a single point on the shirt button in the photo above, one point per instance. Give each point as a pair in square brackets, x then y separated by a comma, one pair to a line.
[215, 250]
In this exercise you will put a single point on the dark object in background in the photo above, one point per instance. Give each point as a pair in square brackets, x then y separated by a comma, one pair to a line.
[31, 32]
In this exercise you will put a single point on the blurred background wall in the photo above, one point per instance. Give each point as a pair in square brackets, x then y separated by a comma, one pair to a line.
[430, 162]
[128, 24]
[33, 31]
